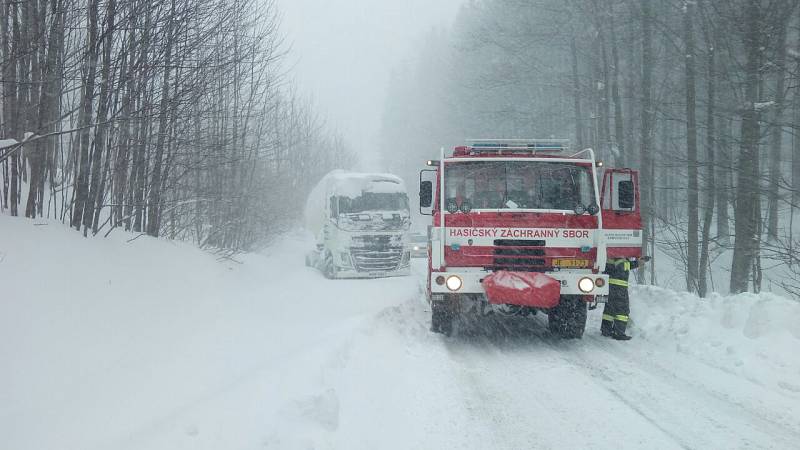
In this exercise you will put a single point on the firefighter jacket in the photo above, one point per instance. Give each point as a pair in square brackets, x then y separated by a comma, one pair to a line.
[619, 270]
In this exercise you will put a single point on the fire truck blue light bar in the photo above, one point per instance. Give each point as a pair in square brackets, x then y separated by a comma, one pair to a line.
[519, 145]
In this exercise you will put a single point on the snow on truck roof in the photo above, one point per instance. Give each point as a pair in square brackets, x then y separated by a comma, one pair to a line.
[353, 184]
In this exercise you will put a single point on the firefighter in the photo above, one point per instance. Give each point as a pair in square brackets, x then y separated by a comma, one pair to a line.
[617, 310]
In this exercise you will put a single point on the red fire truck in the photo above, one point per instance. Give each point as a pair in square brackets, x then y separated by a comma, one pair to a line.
[521, 226]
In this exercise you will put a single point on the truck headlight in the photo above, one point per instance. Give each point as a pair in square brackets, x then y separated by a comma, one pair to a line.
[586, 285]
[454, 282]
[345, 257]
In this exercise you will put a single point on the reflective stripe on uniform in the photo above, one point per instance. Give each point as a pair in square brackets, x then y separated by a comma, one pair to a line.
[617, 282]
[622, 318]
[608, 317]
[626, 263]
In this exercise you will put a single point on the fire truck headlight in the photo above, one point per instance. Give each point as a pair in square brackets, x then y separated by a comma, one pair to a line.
[454, 283]
[586, 285]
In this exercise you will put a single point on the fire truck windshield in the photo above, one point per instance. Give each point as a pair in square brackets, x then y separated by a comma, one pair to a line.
[532, 185]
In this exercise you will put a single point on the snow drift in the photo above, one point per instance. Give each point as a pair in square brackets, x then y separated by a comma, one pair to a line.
[755, 336]
[150, 344]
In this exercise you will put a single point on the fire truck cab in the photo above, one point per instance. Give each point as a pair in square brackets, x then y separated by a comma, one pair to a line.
[521, 226]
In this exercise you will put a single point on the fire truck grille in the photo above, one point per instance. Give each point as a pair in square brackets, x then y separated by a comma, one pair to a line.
[517, 255]
[377, 259]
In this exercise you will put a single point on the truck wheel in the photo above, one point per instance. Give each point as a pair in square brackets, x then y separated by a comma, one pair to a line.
[442, 317]
[568, 319]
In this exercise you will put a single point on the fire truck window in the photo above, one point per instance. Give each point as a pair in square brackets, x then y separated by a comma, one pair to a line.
[618, 180]
[519, 185]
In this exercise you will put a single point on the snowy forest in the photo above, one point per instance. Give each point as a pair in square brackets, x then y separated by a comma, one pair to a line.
[168, 117]
[703, 97]
[176, 118]
[377, 224]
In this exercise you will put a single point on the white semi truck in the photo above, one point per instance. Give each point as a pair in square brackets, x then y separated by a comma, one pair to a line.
[360, 222]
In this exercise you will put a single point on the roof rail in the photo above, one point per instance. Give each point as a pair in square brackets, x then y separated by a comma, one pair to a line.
[517, 145]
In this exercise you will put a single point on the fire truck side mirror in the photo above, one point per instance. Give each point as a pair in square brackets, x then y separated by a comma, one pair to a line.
[425, 194]
[625, 192]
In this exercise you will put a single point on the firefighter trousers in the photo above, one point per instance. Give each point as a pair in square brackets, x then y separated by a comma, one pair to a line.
[617, 311]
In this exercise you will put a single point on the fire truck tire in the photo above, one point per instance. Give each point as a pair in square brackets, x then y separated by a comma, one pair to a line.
[568, 319]
[442, 317]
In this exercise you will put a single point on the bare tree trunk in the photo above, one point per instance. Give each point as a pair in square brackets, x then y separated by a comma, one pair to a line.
[123, 157]
[154, 201]
[85, 119]
[12, 116]
[95, 195]
[139, 168]
[35, 108]
[708, 211]
[605, 92]
[647, 129]
[776, 133]
[723, 175]
[796, 145]
[691, 148]
[619, 135]
[747, 210]
[576, 92]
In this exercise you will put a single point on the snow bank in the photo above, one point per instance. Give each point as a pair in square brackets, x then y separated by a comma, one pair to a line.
[755, 336]
[152, 344]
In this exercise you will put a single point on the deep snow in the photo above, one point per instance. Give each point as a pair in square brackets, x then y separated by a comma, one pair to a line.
[150, 344]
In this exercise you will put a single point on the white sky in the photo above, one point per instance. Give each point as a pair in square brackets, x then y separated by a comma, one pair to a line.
[343, 52]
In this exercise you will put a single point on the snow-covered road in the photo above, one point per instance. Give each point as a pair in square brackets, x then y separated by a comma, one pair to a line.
[176, 350]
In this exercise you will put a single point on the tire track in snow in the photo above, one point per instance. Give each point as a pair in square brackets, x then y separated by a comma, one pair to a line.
[702, 395]
[691, 414]
[543, 400]
[664, 396]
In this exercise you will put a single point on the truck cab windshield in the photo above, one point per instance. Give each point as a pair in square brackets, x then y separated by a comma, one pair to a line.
[372, 201]
[518, 185]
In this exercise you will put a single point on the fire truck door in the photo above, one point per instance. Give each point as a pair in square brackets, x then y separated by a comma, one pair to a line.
[621, 212]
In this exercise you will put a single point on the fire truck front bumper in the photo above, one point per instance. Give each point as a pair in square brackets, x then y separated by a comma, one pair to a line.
[470, 282]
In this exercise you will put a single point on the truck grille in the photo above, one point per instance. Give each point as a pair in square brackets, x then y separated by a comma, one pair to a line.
[519, 255]
[377, 259]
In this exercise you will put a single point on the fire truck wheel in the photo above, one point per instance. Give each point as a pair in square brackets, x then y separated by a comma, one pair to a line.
[442, 318]
[568, 319]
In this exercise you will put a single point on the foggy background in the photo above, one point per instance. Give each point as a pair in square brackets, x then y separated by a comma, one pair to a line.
[343, 52]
